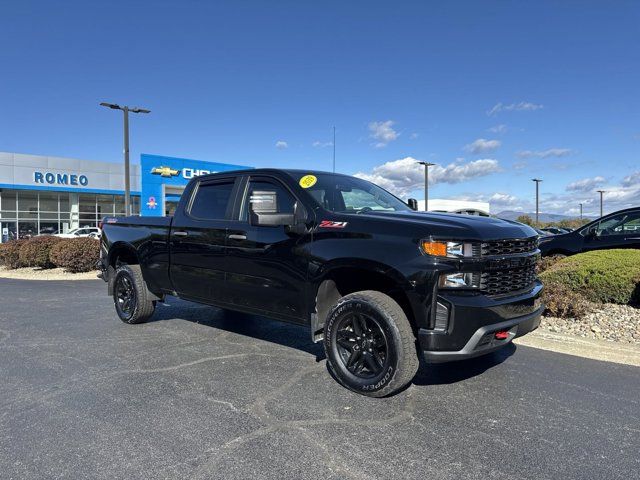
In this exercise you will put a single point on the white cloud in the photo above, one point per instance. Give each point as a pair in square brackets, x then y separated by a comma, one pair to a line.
[498, 201]
[319, 144]
[514, 107]
[383, 133]
[482, 146]
[406, 174]
[498, 129]
[550, 152]
[631, 180]
[281, 145]
[520, 165]
[586, 184]
[414, 135]
[503, 200]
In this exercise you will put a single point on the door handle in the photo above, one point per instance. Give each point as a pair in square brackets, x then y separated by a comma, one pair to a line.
[181, 234]
[234, 236]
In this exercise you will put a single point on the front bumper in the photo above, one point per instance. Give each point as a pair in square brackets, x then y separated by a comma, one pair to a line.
[474, 320]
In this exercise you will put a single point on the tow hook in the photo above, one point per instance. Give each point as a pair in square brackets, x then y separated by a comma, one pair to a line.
[501, 335]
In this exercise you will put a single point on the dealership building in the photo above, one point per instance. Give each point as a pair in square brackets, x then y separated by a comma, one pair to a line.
[42, 194]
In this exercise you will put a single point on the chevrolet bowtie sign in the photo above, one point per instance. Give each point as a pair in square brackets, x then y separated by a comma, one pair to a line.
[187, 173]
[165, 171]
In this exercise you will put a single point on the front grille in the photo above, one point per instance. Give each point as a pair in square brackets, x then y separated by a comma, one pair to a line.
[509, 247]
[501, 282]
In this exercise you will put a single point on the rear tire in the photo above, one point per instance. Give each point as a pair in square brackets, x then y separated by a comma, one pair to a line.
[130, 295]
[369, 343]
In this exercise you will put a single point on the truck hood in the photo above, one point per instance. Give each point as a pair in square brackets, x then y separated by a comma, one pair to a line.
[456, 226]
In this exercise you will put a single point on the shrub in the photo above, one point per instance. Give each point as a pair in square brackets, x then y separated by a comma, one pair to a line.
[526, 219]
[547, 262]
[35, 251]
[561, 301]
[76, 254]
[602, 276]
[10, 253]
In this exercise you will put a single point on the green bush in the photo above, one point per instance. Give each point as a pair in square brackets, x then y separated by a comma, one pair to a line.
[602, 276]
[76, 254]
[35, 251]
[10, 253]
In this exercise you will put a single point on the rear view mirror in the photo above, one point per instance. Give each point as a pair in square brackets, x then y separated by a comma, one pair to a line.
[413, 204]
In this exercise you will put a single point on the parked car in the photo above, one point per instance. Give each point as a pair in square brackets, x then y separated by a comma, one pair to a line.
[81, 232]
[366, 274]
[616, 230]
[555, 230]
[541, 232]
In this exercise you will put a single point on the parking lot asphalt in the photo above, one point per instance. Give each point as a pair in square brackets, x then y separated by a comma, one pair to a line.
[203, 393]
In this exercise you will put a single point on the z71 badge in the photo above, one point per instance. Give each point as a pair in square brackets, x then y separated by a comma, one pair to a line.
[330, 224]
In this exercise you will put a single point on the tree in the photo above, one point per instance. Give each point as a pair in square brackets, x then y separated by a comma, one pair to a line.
[526, 219]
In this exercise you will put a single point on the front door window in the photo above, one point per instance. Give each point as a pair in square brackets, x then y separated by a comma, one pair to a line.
[618, 225]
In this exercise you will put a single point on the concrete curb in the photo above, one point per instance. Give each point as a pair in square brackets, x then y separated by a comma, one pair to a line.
[52, 274]
[616, 352]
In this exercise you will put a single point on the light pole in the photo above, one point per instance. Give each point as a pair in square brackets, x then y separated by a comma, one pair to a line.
[580, 212]
[127, 182]
[537, 180]
[426, 183]
[334, 149]
[601, 192]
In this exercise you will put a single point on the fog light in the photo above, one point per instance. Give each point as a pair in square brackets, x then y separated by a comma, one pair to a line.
[458, 280]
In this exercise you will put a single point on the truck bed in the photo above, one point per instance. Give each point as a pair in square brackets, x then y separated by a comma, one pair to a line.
[150, 238]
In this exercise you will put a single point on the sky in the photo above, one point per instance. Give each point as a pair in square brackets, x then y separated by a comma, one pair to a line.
[494, 93]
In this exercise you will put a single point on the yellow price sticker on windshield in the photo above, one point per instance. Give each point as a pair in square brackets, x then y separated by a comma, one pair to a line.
[308, 181]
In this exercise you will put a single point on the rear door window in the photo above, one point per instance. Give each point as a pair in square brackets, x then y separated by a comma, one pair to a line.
[212, 201]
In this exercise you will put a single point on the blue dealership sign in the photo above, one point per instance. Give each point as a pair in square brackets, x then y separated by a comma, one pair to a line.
[162, 176]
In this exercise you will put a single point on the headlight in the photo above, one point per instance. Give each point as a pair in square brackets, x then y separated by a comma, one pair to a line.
[445, 249]
[458, 280]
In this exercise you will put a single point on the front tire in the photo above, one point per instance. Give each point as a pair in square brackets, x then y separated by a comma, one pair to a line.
[130, 295]
[369, 344]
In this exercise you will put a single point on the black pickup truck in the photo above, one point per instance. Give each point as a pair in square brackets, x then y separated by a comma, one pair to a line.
[374, 279]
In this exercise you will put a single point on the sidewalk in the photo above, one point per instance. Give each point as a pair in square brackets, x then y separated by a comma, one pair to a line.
[616, 352]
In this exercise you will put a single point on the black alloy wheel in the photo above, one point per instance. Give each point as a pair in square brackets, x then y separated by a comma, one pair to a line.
[369, 343]
[125, 295]
[362, 345]
[131, 296]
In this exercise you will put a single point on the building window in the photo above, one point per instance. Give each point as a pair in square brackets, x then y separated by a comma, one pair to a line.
[28, 201]
[25, 213]
[88, 210]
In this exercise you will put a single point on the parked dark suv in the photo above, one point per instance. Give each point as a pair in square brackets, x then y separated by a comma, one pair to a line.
[616, 230]
[375, 280]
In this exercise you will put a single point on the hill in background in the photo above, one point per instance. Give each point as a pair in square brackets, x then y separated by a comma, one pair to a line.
[544, 217]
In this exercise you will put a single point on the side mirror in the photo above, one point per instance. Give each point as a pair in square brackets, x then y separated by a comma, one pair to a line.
[263, 212]
[413, 204]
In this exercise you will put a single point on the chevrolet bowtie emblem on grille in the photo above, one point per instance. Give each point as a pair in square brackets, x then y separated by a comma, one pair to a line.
[165, 171]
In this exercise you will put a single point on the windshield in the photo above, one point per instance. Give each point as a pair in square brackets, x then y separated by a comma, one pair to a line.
[343, 194]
